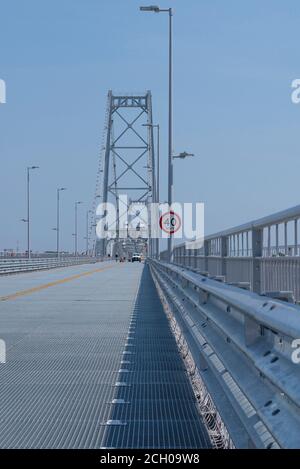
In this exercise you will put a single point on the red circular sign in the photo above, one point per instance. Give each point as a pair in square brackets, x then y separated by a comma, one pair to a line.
[170, 222]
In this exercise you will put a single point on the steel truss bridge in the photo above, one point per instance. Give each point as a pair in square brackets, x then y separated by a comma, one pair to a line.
[198, 353]
[127, 167]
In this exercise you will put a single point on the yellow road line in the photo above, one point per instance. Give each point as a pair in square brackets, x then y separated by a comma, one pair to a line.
[13, 296]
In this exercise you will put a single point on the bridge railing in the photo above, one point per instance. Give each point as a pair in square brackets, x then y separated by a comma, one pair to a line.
[244, 347]
[264, 253]
[10, 266]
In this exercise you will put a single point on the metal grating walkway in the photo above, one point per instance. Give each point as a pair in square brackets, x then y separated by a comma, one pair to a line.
[64, 345]
[65, 348]
[154, 403]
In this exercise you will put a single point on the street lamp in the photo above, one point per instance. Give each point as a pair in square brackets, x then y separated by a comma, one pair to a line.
[156, 9]
[87, 230]
[60, 189]
[183, 155]
[75, 234]
[29, 168]
[156, 126]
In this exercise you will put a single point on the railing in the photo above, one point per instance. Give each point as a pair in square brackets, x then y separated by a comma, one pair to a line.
[11, 266]
[264, 253]
[37, 255]
[242, 347]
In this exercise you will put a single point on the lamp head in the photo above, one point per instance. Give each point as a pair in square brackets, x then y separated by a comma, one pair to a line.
[153, 8]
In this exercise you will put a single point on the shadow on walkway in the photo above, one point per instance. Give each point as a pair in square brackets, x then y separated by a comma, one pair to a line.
[154, 403]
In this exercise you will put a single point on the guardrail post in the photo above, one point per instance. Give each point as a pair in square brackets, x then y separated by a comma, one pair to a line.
[224, 254]
[183, 259]
[192, 262]
[206, 252]
[195, 258]
[252, 331]
[257, 247]
[175, 255]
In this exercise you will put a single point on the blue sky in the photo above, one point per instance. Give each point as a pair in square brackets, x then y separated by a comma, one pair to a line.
[233, 67]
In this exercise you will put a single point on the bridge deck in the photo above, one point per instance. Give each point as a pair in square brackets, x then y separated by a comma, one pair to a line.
[66, 333]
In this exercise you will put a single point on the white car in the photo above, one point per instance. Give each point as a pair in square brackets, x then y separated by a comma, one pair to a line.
[136, 257]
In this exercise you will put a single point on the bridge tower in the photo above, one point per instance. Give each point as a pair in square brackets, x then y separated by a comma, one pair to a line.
[126, 175]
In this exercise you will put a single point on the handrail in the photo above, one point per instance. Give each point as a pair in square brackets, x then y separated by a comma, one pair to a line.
[9, 266]
[283, 216]
[258, 252]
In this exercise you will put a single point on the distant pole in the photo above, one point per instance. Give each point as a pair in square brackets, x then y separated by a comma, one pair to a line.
[58, 219]
[156, 9]
[157, 183]
[170, 171]
[28, 214]
[76, 226]
[75, 250]
[57, 224]
[29, 168]
[158, 160]
[87, 231]
[157, 172]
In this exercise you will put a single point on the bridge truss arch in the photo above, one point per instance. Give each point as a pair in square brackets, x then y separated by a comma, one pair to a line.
[126, 176]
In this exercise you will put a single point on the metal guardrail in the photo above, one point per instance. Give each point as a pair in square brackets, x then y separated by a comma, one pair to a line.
[241, 344]
[36, 255]
[11, 266]
[263, 252]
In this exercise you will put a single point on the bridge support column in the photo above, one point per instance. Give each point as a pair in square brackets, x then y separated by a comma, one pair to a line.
[257, 247]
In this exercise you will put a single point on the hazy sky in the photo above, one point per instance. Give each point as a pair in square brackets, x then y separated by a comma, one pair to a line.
[234, 62]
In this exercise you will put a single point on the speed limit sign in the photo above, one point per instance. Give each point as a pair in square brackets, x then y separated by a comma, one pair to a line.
[170, 222]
